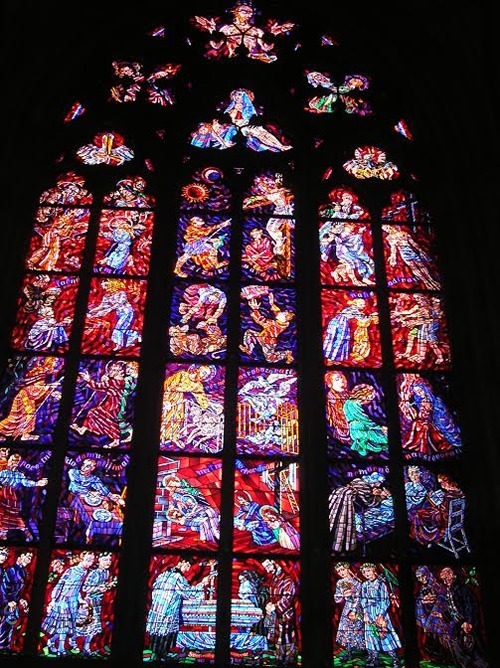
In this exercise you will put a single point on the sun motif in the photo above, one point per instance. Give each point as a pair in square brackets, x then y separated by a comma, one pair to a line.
[195, 192]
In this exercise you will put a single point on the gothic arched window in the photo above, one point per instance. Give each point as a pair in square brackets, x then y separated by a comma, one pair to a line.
[229, 426]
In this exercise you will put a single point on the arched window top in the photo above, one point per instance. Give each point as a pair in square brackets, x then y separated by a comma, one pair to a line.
[130, 192]
[343, 203]
[69, 189]
[249, 350]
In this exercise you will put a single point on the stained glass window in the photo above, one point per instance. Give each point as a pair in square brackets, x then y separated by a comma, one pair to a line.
[124, 242]
[92, 497]
[356, 416]
[351, 327]
[114, 316]
[396, 259]
[230, 431]
[419, 331]
[425, 400]
[80, 584]
[203, 247]
[23, 478]
[266, 513]
[259, 589]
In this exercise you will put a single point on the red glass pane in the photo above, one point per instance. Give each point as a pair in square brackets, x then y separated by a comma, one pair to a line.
[114, 316]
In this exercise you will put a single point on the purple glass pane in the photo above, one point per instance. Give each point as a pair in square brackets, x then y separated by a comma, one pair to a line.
[268, 325]
[103, 407]
[90, 510]
[198, 322]
[361, 509]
